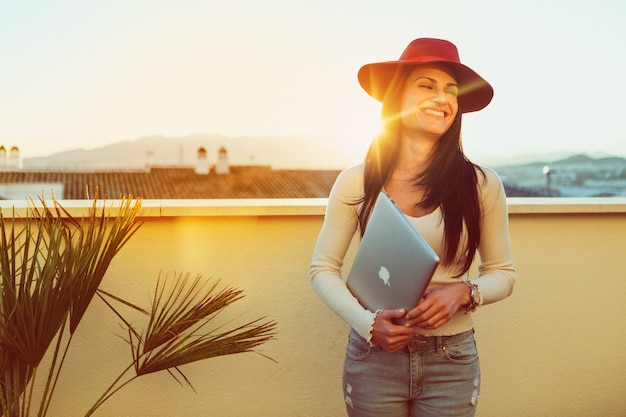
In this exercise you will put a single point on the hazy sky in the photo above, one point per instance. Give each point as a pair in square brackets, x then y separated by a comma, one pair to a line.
[84, 73]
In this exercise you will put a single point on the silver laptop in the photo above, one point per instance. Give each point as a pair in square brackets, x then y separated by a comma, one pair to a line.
[393, 264]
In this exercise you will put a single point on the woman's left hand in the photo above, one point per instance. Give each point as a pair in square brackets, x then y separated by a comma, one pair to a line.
[438, 306]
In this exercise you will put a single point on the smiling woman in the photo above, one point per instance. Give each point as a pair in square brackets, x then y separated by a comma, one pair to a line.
[459, 208]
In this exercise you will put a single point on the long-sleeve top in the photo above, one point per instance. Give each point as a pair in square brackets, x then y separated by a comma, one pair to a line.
[496, 273]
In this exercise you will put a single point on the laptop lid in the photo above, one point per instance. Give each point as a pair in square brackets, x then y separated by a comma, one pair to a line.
[393, 264]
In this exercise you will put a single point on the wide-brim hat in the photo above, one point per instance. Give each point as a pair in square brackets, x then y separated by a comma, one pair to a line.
[475, 92]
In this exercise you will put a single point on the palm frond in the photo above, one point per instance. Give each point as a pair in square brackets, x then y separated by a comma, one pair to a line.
[183, 307]
[51, 264]
[180, 313]
[34, 298]
[95, 245]
[192, 348]
[176, 335]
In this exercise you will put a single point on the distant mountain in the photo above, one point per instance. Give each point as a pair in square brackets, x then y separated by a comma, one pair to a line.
[292, 152]
[617, 150]
[577, 176]
[573, 160]
[279, 152]
[586, 159]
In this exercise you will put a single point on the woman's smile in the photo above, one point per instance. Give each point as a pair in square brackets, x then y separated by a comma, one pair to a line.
[429, 101]
[436, 113]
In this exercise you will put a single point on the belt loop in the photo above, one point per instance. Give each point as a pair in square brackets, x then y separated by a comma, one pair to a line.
[440, 344]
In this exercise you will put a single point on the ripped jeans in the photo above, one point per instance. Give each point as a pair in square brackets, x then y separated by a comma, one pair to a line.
[435, 376]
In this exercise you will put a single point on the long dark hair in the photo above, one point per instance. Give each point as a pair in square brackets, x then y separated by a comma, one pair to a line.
[450, 182]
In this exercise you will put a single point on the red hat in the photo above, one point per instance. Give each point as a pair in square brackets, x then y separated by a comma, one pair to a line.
[474, 92]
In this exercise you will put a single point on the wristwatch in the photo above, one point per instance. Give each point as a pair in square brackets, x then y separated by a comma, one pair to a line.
[474, 298]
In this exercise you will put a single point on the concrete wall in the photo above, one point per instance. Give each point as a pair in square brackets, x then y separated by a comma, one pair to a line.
[555, 348]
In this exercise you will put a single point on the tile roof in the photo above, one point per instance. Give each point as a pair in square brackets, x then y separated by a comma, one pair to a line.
[184, 183]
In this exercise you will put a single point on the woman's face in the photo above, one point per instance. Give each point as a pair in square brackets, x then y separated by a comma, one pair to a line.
[429, 101]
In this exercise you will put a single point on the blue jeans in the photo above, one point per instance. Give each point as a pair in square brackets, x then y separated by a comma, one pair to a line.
[432, 377]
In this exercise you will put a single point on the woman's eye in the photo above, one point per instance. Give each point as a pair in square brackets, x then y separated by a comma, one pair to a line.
[426, 86]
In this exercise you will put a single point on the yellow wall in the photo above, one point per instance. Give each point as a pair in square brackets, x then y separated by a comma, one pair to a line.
[555, 348]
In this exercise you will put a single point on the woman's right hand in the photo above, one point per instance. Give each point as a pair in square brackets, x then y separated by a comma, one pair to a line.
[390, 336]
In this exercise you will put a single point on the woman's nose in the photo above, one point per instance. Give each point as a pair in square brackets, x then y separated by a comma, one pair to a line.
[439, 96]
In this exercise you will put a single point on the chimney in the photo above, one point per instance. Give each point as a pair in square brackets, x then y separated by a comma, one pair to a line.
[222, 162]
[15, 159]
[202, 162]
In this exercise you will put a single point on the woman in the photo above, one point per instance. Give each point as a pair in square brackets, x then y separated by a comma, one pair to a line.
[428, 366]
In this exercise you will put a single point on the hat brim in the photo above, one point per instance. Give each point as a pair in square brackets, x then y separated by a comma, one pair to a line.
[475, 93]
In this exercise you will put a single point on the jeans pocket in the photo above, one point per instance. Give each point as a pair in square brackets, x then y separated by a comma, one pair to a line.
[358, 349]
[462, 353]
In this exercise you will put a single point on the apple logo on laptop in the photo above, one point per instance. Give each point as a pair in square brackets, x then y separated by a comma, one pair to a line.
[383, 274]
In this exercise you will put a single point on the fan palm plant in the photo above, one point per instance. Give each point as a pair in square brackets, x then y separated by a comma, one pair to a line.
[51, 267]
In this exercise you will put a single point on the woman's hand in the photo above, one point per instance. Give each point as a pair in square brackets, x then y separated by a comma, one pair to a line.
[438, 306]
[388, 335]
